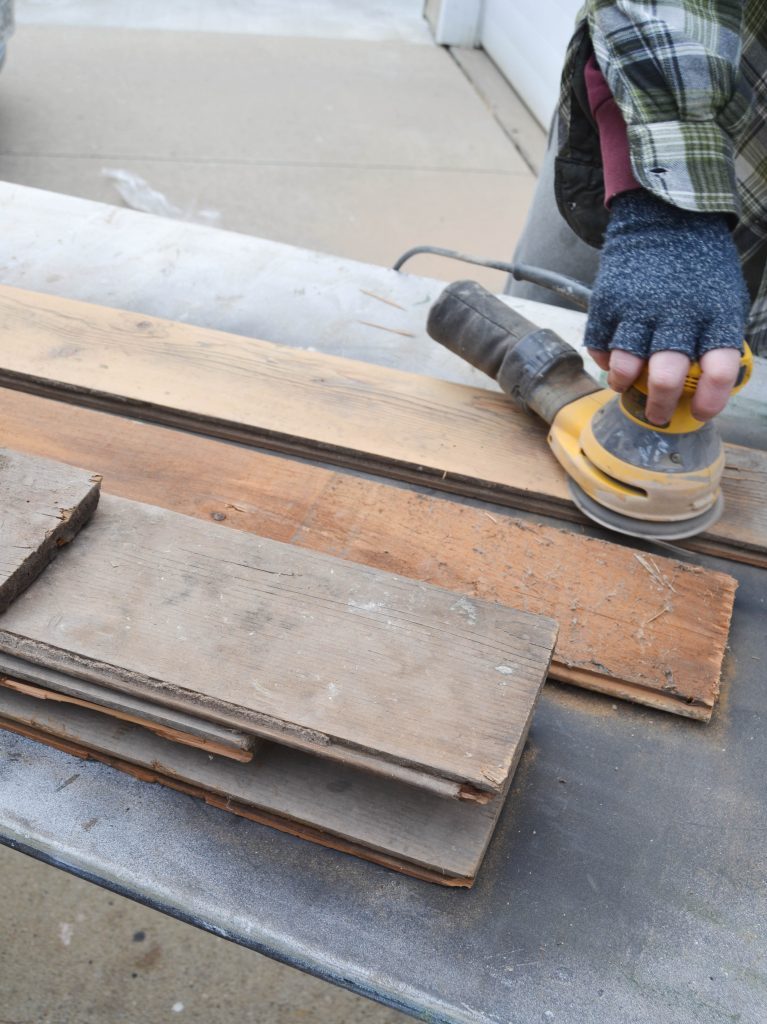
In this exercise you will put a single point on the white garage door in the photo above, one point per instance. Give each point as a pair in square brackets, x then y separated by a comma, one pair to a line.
[527, 39]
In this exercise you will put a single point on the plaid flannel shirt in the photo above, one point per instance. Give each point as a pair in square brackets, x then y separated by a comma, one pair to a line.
[690, 77]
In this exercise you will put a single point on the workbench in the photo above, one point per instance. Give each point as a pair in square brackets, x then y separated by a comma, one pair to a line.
[625, 882]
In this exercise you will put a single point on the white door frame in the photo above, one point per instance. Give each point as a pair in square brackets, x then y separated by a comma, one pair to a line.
[454, 22]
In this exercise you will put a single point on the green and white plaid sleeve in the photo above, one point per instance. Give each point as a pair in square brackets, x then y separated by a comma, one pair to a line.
[674, 68]
[690, 77]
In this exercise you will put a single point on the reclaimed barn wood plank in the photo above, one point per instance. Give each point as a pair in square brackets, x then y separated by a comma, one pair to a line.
[379, 819]
[43, 505]
[622, 632]
[452, 437]
[276, 640]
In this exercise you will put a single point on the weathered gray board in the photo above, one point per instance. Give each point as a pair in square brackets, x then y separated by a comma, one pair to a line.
[288, 643]
[120, 704]
[43, 505]
[339, 806]
[124, 703]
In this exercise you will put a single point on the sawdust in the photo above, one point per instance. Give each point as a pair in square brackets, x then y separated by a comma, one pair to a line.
[597, 705]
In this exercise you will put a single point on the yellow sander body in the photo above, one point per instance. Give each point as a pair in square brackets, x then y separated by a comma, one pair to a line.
[633, 476]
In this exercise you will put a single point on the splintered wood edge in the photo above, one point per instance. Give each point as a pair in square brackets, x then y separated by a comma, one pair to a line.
[242, 810]
[70, 522]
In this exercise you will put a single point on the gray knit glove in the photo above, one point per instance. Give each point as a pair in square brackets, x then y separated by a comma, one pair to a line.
[668, 279]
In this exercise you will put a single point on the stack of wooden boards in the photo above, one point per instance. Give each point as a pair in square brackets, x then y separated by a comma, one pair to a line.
[365, 706]
[402, 747]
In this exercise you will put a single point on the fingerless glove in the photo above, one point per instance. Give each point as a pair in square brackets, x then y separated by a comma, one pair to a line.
[669, 279]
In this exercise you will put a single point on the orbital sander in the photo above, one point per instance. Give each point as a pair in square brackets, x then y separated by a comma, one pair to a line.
[624, 472]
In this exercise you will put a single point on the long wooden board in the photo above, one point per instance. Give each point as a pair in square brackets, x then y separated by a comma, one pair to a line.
[623, 630]
[448, 436]
[43, 505]
[272, 639]
[379, 819]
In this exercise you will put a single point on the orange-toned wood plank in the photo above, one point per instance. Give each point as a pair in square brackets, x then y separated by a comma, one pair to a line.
[647, 629]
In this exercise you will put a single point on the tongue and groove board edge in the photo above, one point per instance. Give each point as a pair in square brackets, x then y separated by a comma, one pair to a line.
[190, 739]
[388, 822]
[643, 628]
[43, 505]
[452, 437]
[272, 639]
[46, 678]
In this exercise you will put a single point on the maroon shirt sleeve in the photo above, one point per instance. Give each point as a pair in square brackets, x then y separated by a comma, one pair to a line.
[613, 138]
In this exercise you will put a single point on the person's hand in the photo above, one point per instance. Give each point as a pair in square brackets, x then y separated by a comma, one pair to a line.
[666, 375]
[669, 289]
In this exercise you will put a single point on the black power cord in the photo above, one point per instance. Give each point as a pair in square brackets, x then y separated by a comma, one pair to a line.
[566, 287]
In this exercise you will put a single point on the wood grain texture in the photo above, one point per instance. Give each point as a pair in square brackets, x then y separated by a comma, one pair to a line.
[43, 505]
[378, 818]
[622, 632]
[266, 637]
[449, 436]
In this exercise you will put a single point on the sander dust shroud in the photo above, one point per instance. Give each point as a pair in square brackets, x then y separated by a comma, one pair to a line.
[657, 483]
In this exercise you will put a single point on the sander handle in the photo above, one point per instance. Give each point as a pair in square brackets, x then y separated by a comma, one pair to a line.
[540, 371]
